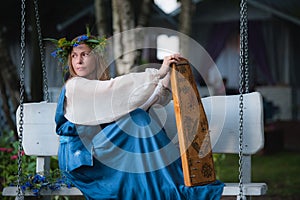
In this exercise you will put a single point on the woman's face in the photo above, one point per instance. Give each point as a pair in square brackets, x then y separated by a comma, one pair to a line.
[84, 62]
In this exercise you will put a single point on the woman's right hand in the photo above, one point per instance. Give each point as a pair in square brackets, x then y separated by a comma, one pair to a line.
[168, 60]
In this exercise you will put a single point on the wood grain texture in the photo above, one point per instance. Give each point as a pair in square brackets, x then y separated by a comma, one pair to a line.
[192, 125]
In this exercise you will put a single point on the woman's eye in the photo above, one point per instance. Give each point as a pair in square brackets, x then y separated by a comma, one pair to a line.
[86, 54]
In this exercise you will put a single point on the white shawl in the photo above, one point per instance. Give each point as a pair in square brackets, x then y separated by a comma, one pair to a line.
[92, 102]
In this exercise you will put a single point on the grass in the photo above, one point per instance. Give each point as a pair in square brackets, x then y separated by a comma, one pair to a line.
[280, 171]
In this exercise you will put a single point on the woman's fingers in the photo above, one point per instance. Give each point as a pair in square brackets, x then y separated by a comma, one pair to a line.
[174, 58]
[168, 60]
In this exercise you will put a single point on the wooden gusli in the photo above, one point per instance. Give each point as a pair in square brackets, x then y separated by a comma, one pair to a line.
[192, 126]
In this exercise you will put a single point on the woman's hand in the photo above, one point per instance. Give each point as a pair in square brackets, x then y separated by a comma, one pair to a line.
[168, 60]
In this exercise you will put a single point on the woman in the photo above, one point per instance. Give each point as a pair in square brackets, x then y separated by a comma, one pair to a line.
[110, 146]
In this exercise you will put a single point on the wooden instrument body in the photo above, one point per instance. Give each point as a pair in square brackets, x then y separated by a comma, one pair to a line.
[192, 126]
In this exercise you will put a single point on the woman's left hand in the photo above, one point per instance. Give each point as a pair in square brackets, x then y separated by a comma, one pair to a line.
[168, 60]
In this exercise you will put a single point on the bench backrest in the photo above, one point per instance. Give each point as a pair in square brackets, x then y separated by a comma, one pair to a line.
[39, 136]
[40, 139]
[223, 114]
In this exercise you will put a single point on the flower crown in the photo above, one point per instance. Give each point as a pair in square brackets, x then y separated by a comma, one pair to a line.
[64, 46]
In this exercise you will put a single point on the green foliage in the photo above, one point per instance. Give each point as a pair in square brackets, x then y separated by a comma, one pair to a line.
[29, 180]
[218, 159]
[280, 171]
[9, 159]
[52, 180]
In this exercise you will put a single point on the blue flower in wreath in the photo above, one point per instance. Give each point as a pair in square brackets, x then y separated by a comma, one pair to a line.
[82, 38]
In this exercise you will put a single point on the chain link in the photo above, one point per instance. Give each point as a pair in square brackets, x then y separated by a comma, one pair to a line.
[42, 54]
[244, 85]
[20, 194]
[245, 41]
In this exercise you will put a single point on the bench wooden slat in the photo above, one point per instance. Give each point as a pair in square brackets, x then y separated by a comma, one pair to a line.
[73, 191]
[230, 189]
[250, 189]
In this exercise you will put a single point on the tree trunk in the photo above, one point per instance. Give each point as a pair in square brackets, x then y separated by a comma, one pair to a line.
[185, 19]
[143, 17]
[102, 9]
[124, 43]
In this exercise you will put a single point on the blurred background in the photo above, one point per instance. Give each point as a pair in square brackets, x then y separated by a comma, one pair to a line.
[273, 38]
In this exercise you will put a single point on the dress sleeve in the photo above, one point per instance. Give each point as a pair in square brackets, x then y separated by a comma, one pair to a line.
[63, 126]
[161, 95]
[91, 102]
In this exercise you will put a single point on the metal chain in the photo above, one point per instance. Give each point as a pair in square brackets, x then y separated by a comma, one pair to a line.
[246, 49]
[42, 54]
[20, 194]
[244, 85]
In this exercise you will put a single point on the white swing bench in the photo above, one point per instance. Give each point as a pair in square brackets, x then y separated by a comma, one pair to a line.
[40, 139]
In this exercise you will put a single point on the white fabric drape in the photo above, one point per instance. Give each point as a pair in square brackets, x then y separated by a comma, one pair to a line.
[92, 102]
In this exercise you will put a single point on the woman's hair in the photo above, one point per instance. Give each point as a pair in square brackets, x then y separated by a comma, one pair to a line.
[102, 68]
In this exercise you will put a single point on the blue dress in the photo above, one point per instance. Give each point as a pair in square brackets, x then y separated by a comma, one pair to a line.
[129, 159]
